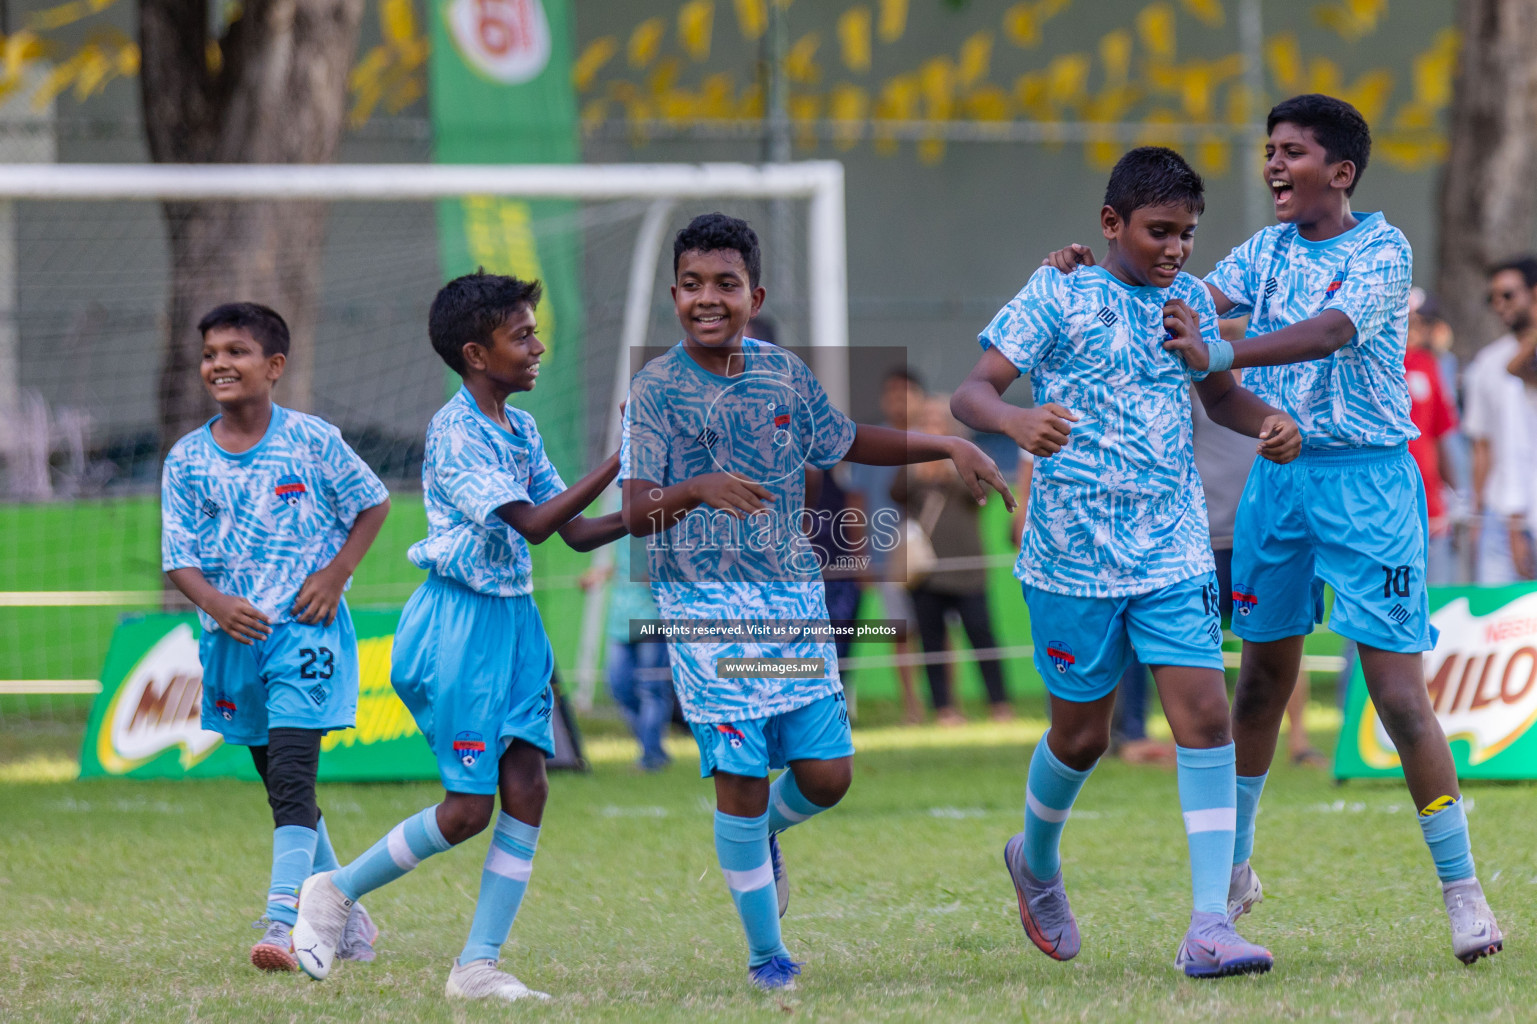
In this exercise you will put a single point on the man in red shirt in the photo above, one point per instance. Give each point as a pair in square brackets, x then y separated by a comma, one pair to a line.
[1431, 410]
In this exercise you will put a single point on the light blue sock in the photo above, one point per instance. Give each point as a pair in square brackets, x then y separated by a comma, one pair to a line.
[406, 845]
[787, 805]
[509, 863]
[1208, 794]
[325, 854]
[1049, 794]
[293, 850]
[1446, 833]
[742, 846]
[1249, 789]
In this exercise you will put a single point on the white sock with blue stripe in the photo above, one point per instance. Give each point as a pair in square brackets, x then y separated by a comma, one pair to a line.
[503, 880]
[1208, 794]
[742, 846]
[293, 852]
[405, 846]
[1049, 794]
[787, 804]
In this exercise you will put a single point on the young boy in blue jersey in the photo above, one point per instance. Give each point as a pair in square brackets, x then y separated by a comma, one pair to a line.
[718, 433]
[1115, 559]
[266, 512]
[1326, 292]
[471, 659]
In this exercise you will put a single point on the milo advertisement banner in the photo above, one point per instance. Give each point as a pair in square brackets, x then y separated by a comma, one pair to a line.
[500, 93]
[1482, 678]
[146, 722]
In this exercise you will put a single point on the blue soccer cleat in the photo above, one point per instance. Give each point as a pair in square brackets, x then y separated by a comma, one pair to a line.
[781, 876]
[1043, 906]
[777, 974]
[1213, 949]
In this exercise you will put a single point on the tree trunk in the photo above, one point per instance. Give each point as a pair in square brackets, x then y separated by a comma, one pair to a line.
[273, 91]
[1488, 196]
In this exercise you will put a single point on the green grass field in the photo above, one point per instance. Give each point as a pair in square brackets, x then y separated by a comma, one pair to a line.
[131, 901]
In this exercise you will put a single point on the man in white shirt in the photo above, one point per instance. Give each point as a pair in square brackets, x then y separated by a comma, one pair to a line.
[1498, 420]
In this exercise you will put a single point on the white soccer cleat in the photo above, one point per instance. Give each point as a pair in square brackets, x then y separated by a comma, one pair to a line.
[479, 979]
[323, 911]
[1475, 933]
[1243, 891]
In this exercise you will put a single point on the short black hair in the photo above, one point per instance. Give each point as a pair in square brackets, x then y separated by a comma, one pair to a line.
[1153, 176]
[262, 322]
[905, 375]
[716, 232]
[1526, 266]
[467, 309]
[1339, 128]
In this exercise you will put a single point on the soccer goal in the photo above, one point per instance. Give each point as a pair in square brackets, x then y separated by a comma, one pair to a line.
[88, 271]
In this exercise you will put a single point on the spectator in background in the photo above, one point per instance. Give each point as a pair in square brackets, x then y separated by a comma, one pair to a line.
[869, 493]
[1431, 411]
[837, 536]
[1497, 419]
[934, 493]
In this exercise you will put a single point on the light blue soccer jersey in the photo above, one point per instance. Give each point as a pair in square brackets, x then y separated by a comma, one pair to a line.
[472, 468]
[1357, 397]
[1119, 510]
[766, 424]
[257, 523]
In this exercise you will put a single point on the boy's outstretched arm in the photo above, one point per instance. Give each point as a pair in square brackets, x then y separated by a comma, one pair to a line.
[1314, 338]
[978, 402]
[588, 534]
[235, 615]
[321, 594]
[537, 523]
[1071, 257]
[885, 446]
[651, 508]
[1237, 408]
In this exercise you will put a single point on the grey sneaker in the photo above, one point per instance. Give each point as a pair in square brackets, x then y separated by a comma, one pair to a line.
[358, 937]
[1243, 891]
[479, 979]
[1213, 949]
[274, 951]
[781, 876]
[323, 911]
[1043, 906]
[1475, 933]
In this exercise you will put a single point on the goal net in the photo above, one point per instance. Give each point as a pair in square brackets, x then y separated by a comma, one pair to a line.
[86, 272]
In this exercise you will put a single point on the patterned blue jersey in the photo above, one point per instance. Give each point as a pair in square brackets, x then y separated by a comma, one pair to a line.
[766, 424]
[1357, 397]
[259, 522]
[472, 468]
[1119, 510]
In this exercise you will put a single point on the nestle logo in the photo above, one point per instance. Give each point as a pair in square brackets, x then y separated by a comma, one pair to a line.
[1106, 316]
[209, 508]
[707, 438]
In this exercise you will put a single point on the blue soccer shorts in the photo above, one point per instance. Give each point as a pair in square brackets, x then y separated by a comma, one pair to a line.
[474, 671]
[299, 677]
[818, 731]
[1352, 518]
[1084, 644]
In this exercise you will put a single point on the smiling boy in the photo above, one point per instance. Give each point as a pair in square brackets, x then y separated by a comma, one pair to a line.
[266, 513]
[718, 433]
[1115, 559]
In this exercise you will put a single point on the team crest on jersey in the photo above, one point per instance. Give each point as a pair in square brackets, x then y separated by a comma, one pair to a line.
[468, 746]
[290, 489]
[781, 425]
[1334, 286]
[732, 734]
[1244, 599]
[1061, 655]
[226, 709]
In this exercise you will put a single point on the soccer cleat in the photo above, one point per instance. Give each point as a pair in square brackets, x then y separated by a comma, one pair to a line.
[777, 974]
[1043, 906]
[479, 979]
[358, 936]
[1212, 949]
[1243, 891]
[781, 876]
[323, 912]
[274, 951]
[1475, 933]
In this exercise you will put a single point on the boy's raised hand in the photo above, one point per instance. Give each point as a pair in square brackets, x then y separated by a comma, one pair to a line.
[976, 469]
[1070, 258]
[239, 618]
[730, 492]
[1042, 431]
[1183, 326]
[319, 597]
[1280, 440]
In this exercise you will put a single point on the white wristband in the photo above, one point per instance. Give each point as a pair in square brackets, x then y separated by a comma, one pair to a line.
[1219, 356]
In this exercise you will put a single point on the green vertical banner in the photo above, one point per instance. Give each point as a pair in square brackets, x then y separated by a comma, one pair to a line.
[501, 93]
[1482, 682]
